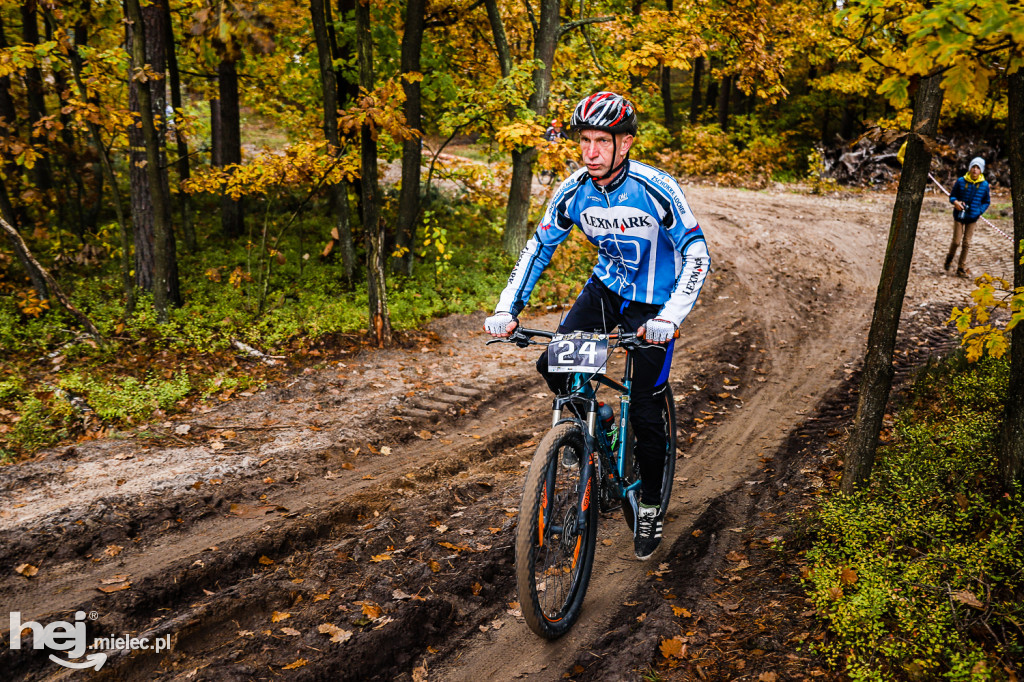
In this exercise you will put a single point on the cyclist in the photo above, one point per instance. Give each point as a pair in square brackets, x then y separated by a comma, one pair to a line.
[554, 132]
[651, 266]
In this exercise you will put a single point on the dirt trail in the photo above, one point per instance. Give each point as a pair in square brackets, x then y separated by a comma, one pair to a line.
[378, 493]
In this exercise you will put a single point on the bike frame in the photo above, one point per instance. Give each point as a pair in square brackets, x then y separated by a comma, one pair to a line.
[582, 392]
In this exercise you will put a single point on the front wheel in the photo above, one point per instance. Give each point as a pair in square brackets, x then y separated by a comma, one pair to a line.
[668, 407]
[557, 532]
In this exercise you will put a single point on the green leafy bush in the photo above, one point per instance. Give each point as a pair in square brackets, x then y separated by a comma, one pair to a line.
[921, 576]
[126, 399]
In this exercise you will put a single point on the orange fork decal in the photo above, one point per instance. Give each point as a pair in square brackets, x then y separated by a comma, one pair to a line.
[540, 517]
[576, 552]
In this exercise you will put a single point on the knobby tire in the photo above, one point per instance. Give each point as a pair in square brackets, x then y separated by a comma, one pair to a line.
[553, 568]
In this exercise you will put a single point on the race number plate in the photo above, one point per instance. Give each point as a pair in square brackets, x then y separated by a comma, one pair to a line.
[578, 352]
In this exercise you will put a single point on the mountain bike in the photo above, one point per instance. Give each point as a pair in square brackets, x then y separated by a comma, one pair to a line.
[581, 465]
[546, 177]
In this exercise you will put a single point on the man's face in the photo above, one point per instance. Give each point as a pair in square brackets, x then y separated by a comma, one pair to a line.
[975, 172]
[601, 151]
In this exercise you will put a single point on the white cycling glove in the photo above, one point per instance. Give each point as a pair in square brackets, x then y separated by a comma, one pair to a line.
[497, 324]
[659, 331]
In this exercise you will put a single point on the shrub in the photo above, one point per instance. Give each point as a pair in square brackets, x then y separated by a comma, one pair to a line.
[920, 575]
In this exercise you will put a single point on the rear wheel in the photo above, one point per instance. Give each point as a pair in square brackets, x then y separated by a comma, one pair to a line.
[667, 406]
[554, 546]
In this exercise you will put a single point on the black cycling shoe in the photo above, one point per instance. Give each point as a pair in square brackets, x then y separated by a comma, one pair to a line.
[647, 527]
[570, 458]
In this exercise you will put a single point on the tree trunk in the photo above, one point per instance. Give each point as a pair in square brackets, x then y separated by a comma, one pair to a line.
[711, 97]
[380, 319]
[183, 165]
[666, 98]
[724, 92]
[164, 284]
[216, 144]
[412, 150]
[544, 44]
[232, 211]
[666, 87]
[877, 378]
[42, 174]
[636, 79]
[1011, 446]
[698, 73]
[338, 193]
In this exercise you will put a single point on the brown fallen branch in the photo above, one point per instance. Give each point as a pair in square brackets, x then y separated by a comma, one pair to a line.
[55, 289]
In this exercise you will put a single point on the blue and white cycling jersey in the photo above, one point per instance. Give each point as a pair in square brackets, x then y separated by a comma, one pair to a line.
[651, 249]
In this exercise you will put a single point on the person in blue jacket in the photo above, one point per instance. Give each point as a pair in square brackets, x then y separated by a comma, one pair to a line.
[651, 264]
[970, 199]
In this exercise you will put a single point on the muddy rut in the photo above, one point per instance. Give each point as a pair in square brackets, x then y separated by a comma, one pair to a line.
[357, 520]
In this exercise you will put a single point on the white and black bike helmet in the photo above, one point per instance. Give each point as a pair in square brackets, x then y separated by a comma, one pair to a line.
[605, 111]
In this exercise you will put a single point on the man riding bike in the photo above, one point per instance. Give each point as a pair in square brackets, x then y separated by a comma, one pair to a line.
[651, 266]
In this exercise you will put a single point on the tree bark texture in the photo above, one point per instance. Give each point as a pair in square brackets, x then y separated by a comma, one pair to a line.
[1011, 445]
[9, 114]
[412, 150]
[152, 183]
[876, 381]
[698, 73]
[232, 211]
[42, 174]
[183, 165]
[724, 98]
[52, 284]
[348, 90]
[518, 213]
[380, 319]
[337, 193]
[666, 98]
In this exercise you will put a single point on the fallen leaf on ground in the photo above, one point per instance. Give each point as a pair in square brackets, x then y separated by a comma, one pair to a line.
[767, 677]
[216, 445]
[434, 566]
[246, 633]
[27, 570]
[370, 610]
[400, 595]
[296, 664]
[277, 616]
[735, 556]
[325, 595]
[424, 434]
[966, 597]
[113, 550]
[377, 558]
[266, 561]
[673, 648]
[680, 611]
[338, 636]
[385, 450]
[107, 589]
[420, 674]
[291, 632]
[182, 429]
[848, 576]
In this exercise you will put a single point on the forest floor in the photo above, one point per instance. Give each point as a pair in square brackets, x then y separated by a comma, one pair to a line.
[356, 520]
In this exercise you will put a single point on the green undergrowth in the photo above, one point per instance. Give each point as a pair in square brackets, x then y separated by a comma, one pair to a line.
[921, 576]
[56, 383]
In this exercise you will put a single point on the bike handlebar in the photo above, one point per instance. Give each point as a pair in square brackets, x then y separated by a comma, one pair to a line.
[523, 337]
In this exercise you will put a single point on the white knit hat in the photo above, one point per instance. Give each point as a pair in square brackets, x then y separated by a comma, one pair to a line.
[977, 161]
